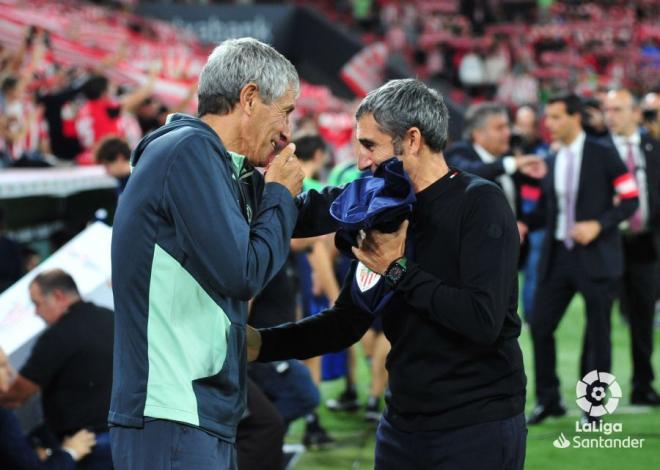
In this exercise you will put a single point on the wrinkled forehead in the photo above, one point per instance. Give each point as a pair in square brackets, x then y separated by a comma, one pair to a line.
[287, 100]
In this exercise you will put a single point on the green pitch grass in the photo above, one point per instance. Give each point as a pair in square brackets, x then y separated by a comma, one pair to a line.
[356, 438]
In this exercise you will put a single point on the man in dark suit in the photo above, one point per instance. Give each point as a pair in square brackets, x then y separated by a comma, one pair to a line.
[483, 152]
[582, 252]
[641, 237]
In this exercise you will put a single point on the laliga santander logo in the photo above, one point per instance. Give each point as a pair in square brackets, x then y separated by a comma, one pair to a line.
[598, 394]
[591, 393]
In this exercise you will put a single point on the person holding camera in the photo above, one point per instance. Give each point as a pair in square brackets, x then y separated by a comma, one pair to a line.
[651, 114]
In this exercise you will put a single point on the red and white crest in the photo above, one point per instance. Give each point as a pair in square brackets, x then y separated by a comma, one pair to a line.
[365, 277]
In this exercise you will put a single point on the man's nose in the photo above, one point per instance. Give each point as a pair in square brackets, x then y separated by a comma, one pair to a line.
[364, 162]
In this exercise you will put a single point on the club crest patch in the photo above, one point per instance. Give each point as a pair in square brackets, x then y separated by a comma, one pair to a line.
[365, 277]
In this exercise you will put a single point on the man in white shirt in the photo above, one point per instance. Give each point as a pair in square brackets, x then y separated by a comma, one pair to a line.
[641, 237]
[582, 252]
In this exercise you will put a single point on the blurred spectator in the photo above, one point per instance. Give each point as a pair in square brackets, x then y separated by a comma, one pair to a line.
[23, 129]
[641, 237]
[70, 364]
[526, 128]
[518, 87]
[377, 347]
[483, 151]
[151, 114]
[260, 434]
[99, 116]
[15, 451]
[318, 286]
[115, 155]
[11, 260]
[472, 71]
[31, 258]
[496, 65]
[651, 114]
[347, 400]
[287, 384]
[526, 140]
[593, 121]
[60, 111]
[103, 114]
[312, 152]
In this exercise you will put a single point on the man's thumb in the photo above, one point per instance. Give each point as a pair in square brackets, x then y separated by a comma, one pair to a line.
[287, 151]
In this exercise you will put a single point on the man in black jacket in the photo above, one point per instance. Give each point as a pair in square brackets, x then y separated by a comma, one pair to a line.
[641, 237]
[70, 364]
[582, 250]
[455, 369]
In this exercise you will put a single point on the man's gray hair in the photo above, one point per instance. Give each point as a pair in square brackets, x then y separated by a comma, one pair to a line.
[401, 104]
[234, 64]
[477, 115]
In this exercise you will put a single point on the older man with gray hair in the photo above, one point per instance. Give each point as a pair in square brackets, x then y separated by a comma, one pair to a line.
[197, 233]
[456, 378]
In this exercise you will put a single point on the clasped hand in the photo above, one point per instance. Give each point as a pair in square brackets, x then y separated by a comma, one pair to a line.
[377, 250]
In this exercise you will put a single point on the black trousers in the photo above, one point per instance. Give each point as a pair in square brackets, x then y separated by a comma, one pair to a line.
[496, 445]
[566, 277]
[260, 435]
[638, 293]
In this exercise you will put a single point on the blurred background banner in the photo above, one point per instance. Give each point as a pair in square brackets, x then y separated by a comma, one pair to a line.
[212, 24]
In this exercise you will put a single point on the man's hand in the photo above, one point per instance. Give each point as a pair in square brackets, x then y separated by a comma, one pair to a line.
[378, 250]
[586, 232]
[286, 170]
[253, 343]
[80, 443]
[532, 166]
[522, 231]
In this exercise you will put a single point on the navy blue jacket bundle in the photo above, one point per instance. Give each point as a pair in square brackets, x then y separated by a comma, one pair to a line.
[379, 202]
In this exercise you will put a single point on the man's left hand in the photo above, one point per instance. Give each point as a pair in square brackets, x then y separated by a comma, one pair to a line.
[253, 340]
[586, 232]
[378, 250]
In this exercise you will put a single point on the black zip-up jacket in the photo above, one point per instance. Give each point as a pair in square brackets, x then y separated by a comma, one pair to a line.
[453, 322]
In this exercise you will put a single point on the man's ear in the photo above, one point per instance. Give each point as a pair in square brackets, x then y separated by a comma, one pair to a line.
[248, 97]
[58, 295]
[413, 140]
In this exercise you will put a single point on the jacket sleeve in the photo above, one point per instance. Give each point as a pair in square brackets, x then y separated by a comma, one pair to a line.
[314, 212]
[331, 330]
[624, 186]
[489, 171]
[536, 219]
[238, 259]
[15, 451]
[477, 306]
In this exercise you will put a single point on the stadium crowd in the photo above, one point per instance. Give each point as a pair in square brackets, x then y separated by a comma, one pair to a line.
[77, 109]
